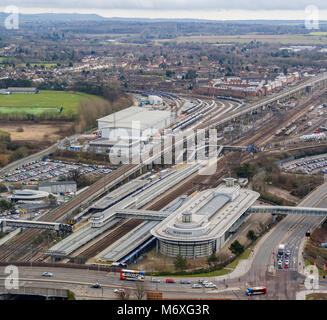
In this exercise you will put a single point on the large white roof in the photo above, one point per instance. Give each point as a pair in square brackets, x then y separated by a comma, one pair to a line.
[124, 118]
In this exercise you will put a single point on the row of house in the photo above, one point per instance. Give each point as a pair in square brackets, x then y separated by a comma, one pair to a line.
[240, 87]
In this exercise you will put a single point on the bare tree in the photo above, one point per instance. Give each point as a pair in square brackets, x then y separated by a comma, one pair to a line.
[140, 290]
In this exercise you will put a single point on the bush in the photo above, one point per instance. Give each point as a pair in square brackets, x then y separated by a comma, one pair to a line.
[251, 235]
[236, 248]
[246, 170]
[180, 263]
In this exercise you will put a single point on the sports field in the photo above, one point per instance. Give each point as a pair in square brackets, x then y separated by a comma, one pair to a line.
[43, 102]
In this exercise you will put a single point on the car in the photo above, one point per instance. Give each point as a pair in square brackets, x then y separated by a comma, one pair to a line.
[47, 274]
[170, 281]
[286, 266]
[119, 291]
[201, 281]
[96, 286]
[287, 262]
[196, 286]
[185, 282]
[155, 280]
[210, 285]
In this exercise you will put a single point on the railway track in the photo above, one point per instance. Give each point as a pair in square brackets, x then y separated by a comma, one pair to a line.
[126, 226]
[29, 235]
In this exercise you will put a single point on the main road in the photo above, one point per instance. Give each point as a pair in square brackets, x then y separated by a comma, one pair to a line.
[291, 232]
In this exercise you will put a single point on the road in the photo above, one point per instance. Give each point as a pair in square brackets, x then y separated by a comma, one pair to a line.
[290, 231]
[80, 281]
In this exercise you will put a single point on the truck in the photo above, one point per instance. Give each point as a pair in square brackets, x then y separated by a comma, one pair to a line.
[281, 249]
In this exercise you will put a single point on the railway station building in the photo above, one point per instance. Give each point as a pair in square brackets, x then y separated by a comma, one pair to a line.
[203, 225]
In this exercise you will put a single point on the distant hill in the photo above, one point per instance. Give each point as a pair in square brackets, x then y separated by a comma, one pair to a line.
[72, 17]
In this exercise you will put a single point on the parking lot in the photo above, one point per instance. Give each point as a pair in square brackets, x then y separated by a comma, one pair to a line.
[50, 170]
[307, 165]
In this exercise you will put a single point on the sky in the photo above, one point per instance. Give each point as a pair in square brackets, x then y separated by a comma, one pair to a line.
[204, 9]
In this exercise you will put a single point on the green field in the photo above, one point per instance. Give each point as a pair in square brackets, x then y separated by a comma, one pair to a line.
[290, 39]
[35, 111]
[46, 101]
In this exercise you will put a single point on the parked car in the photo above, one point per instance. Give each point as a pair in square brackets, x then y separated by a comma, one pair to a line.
[155, 280]
[210, 285]
[96, 286]
[47, 274]
[196, 286]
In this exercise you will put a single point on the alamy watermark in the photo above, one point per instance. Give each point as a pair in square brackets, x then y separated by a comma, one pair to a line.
[12, 278]
[165, 148]
[312, 17]
[12, 20]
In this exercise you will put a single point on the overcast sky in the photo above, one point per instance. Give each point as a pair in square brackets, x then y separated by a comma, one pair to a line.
[203, 9]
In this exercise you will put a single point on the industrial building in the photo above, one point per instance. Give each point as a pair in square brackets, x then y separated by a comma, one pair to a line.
[28, 195]
[128, 130]
[58, 187]
[202, 226]
[155, 100]
[133, 122]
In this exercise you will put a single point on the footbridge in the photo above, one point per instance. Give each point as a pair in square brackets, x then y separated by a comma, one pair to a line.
[161, 215]
[288, 210]
[35, 225]
[142, 214]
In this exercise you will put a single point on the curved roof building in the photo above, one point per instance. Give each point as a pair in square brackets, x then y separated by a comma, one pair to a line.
[28, 195]
[202, 226]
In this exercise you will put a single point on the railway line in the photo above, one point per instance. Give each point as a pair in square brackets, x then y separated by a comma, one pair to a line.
[125, 227]
[29, 235]
[263, 135]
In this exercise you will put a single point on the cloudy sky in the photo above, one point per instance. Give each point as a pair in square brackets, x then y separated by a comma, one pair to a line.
[204, 9]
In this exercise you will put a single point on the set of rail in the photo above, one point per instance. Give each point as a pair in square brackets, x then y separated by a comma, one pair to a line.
[194, 118]
[121, 174]
[107, 219]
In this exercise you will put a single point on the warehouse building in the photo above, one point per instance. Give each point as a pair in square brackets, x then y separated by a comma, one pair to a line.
[133, 122]
[203, 225]
[58, 187]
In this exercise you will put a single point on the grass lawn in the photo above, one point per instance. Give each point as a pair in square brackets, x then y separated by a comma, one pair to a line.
[46, 99]
[243, 256]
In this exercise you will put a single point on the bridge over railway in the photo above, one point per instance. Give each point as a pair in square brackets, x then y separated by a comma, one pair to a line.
[35, 225]
[161, 215]
[288, 210]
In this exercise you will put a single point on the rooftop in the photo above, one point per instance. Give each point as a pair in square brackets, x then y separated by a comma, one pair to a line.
[124, 118]
[207, 216]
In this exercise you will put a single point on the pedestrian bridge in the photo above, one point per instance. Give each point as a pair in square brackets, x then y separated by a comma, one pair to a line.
[288, 210]
[35, 225]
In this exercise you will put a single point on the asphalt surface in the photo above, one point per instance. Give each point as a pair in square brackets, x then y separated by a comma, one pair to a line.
[80, 283]
[290, 231]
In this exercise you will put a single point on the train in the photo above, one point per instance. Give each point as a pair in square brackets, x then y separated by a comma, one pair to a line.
[187, 122]
[192, 108]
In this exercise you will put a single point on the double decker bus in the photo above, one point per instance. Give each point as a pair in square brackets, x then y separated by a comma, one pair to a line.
[132, 275]
[255, 291]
